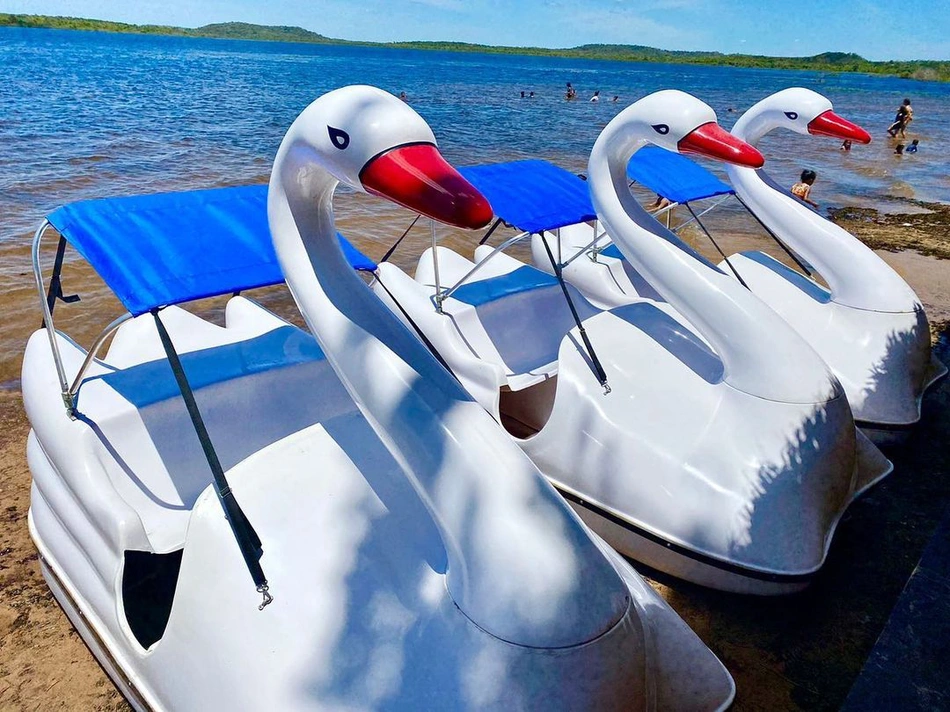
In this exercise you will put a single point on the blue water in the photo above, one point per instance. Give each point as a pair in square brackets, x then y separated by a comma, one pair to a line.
[91, 114]
[87, 115]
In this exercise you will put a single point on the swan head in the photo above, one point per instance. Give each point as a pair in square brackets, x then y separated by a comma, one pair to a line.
[373, 142]
[807, 112]
[680, 122]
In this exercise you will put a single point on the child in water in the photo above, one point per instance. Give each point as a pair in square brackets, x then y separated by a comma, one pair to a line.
[913, 147]
[802, 189]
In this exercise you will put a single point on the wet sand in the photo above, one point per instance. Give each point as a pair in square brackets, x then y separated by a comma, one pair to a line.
[798, 652]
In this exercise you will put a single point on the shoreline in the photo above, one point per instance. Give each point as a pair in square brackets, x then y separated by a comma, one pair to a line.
[925, 230]
[826, 62]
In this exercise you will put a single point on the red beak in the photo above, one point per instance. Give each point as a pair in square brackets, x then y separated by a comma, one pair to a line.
[830, 124]
[417, 177]
[712, 141]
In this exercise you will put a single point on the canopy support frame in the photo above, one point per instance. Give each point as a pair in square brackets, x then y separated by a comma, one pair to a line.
[93, 350]
[247, 539]
[441, 297]
[48, 319]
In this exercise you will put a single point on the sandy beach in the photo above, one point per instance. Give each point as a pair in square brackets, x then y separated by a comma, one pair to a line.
[799, 652]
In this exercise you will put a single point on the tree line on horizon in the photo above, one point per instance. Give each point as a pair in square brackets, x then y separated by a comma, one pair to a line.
[826, 62]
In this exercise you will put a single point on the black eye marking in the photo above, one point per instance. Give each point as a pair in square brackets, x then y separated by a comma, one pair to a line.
[662, 129]
[791, 114]
[340, 138]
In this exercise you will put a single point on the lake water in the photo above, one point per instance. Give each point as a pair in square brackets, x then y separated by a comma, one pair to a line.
[86, 115]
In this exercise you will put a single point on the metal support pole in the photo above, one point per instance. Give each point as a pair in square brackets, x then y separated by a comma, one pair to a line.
[435, 267]
[48, 317]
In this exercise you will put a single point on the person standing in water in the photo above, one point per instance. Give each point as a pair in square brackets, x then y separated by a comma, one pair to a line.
[913, 147]
[905, 114]
[802, 189]
[571, 94]
[596, 96]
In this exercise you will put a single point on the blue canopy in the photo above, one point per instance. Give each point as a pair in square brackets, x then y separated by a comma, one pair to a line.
[673, 176]
[168, 248]
[533, 195]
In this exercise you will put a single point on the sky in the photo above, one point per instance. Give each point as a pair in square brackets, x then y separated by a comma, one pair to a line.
[875, 29]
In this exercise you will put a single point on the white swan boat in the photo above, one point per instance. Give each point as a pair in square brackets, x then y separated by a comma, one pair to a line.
[701, 436]
[385, 546]
[867, 324]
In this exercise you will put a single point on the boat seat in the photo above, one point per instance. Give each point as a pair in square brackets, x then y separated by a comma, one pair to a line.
[251, 393]
[510, 313]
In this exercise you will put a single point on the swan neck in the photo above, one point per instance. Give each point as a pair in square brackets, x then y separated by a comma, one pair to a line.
[749, 338]
[474, 483]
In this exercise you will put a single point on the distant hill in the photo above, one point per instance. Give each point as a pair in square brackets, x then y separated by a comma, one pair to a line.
[247, 31]
[825, 62]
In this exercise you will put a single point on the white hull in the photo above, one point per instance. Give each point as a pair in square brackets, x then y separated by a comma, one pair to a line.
[274, 647]
[882, 359]
[868, 325]
[711, 472]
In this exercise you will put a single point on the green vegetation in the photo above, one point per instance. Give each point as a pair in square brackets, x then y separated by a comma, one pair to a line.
[826, 62]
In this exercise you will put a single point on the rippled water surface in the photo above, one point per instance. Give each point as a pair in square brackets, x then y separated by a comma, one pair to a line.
[86, 115]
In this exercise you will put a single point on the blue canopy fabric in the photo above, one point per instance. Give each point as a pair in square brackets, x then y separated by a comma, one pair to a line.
[168, 248]
[533, 195]
[523, 279]
[673, 176]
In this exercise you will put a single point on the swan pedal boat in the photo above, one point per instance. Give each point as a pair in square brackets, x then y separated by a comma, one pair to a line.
[718, 455]
[868, 324]
[350, 570]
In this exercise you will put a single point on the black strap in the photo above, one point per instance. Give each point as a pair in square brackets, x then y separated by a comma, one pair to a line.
[55, 290]
[490, 231]
[392, 249]
[716, 245]
[247, 539]
[775, 237]
[415, 327]
[595, 362]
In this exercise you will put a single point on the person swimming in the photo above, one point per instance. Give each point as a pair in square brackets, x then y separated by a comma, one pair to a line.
[802, 189]
[846, 146]
[913, 147]
[596, 96]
